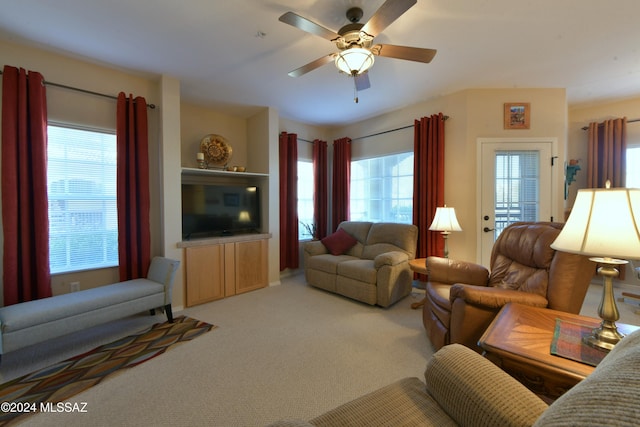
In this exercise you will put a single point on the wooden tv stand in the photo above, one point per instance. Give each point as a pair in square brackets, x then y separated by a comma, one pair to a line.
[220, 267]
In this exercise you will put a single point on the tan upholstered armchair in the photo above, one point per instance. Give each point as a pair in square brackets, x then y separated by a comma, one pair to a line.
[462, 298]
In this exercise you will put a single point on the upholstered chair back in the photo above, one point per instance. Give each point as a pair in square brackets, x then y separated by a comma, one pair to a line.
[523, 260]
[386, 237]
[359, 230]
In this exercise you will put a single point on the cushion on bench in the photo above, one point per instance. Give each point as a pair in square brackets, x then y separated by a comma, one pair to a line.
[20, 316]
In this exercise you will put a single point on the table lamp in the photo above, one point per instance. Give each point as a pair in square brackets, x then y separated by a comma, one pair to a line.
[604, 224]
[445, 221]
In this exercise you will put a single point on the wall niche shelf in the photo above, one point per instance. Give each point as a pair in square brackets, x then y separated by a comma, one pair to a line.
[218, 172]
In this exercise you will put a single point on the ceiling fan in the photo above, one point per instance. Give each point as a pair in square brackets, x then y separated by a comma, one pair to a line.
[354, 41]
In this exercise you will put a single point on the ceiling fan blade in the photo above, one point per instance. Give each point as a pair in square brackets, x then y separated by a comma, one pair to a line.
[312, 65]
[388, 12]
[362, 81]
[417, 54]
[309, 26]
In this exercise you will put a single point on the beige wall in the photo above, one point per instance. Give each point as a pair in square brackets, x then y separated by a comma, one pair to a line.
[253, 146]
[305, 132]
[473, 114]
[198, 121]
[170, 208]
[175, 135]
[77, 108]
[175, 131]
[264, 158]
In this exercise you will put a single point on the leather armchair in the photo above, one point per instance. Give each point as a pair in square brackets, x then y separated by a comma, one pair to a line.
[462, 298]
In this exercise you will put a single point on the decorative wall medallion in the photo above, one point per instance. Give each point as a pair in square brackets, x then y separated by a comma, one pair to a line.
[216, 149]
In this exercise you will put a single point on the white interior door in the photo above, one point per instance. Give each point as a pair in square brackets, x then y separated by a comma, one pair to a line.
[516, 185]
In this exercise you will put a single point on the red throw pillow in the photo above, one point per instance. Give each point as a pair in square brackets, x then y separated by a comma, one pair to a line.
[339, 242]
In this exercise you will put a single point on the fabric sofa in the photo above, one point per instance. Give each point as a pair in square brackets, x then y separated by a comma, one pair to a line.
[365, 261]
[464, 389]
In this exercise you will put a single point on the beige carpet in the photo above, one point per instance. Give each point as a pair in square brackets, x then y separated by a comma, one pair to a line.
[45, 389]
[280, 352]
[287, 351]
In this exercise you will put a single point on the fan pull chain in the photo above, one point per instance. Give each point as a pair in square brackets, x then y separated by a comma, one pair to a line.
[355, 90]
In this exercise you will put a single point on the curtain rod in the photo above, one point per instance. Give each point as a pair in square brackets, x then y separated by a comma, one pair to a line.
[379, 133]
[390, 130]
[628, 121]
[90, 92]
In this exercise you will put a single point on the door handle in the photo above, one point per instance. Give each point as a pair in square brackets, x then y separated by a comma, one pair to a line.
[487, 229]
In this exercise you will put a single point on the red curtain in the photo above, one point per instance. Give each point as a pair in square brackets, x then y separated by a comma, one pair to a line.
[428, 182]
[341, 181]
[320, 210]
[134, 233]
[25, 206]
[288, 201]
[607, 156]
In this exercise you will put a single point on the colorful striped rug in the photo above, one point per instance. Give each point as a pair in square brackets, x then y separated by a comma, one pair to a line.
[61, 381]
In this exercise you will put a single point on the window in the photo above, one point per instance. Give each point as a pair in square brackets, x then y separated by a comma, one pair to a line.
[305, 200]
[81, 181]
[517, 195]
[633, 165]
[382, 189]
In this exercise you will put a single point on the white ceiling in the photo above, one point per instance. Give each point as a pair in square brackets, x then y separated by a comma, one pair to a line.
[589, 47]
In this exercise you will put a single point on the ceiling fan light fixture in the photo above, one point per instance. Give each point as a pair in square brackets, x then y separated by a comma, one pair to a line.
[354, 61]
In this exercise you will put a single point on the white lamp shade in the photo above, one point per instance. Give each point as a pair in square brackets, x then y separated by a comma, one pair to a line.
[603, 223]
[445, 220]
[355, 60]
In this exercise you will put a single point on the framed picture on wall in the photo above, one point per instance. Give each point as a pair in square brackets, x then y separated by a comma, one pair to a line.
[517, 115]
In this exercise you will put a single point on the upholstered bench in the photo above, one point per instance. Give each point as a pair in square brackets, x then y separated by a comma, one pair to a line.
[36, 321]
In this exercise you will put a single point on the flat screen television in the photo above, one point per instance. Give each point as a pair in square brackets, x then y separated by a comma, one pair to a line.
[210, 210]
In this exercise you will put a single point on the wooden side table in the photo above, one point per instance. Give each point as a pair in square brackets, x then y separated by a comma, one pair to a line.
[519, 341]
[418, 265]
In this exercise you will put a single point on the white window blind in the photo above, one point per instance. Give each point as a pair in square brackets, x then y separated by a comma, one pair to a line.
[382, 189]
[305, 200]
[516, 187]
[81, 181]
[633, 167]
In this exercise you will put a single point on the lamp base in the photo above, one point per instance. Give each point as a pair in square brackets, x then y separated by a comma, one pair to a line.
[604, 337]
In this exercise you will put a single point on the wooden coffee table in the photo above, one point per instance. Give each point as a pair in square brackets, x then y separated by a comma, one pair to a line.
[519, 341]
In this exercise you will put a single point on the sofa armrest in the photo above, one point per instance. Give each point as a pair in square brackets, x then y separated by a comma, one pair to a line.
[474, 391]
[390, 258]
[449, 271]
[494, 298]
[315, 247]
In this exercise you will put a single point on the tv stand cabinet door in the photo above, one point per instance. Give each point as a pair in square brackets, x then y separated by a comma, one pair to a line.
[204, 274]
[251, 265]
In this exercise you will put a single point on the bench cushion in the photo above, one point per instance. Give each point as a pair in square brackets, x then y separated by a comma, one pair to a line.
[31, 313]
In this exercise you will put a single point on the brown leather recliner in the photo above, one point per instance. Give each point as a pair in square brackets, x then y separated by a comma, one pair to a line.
[462, 298]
